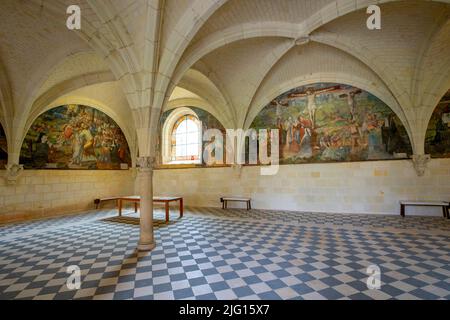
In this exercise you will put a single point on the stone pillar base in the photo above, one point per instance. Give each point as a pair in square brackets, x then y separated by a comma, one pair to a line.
[146, 246]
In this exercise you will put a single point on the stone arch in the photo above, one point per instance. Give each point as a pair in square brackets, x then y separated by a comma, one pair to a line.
[199, 103]
[65, 87]
[243, 31]
[230, 35]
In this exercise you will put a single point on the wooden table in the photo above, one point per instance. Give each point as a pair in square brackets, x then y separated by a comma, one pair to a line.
[137, 200]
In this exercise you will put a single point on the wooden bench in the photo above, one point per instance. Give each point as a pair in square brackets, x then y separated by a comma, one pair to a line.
[443, 204]
[225, 200]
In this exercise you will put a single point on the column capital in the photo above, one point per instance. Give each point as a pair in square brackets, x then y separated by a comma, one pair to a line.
[146, 164]
[13, 172]
[420, 162]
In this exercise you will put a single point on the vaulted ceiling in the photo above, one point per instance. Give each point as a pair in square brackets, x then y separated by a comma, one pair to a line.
[137, 58]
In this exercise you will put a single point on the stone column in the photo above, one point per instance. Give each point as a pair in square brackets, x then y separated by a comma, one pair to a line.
[145, 182]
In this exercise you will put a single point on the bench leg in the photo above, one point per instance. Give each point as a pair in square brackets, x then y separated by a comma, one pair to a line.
[167, 211]
[249, 205]
[181, 208]
[120, 207]
[135, 207]
[444, 211]
[447, 209]
[402, 210]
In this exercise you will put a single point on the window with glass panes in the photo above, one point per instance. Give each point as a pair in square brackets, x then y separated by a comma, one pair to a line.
[186, 139]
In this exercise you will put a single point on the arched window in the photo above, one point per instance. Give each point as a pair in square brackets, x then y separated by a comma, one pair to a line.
[185, 142]
[182, 138]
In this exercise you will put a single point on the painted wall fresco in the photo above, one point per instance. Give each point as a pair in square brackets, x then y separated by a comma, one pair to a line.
[75, 137]
[437, 141]
[327, 122]
[208, 122]
[3, 149]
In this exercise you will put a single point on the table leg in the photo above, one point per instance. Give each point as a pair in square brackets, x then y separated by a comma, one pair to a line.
[402, 210]
[167, 211]
[120, 207]
[181, 208]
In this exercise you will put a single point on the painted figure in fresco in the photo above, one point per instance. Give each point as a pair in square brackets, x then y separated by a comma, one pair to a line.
[375, 143]
[355, 133]
[104, 148]
[329, 146]
[77, 148]
[306, 147]
[288, 128]
[438, 131]
[311, 95]
[390, 134]
[40, 155]
[88, 143]
[351, 102]
[441, 133]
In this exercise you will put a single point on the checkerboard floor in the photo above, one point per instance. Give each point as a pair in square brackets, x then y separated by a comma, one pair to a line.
[233, 254]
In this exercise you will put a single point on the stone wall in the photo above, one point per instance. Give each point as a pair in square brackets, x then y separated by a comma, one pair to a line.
[48, 193]
[357, 187]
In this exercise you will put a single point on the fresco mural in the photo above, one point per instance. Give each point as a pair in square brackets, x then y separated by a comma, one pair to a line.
[3, 149]
[437, 141]
[75, 137]
[208, 122]
[327, 122]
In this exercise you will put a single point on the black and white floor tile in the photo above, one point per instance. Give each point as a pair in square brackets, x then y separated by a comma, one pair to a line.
[233, 254]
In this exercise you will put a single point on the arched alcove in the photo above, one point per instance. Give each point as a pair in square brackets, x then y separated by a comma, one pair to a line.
[330, 122]
[75, 137]
[3, 148]
[167, 124]
[437, 140]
